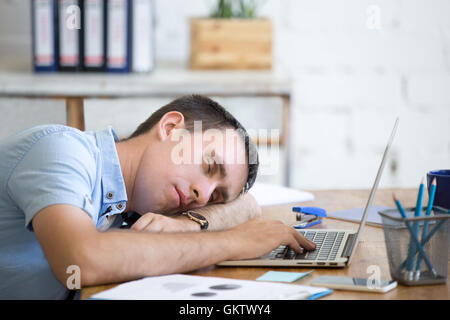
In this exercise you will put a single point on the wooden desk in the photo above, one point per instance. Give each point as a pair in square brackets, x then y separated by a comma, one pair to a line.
[371, 249]
[168, 80]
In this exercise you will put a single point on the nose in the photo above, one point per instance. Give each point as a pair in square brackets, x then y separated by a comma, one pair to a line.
[201, 192]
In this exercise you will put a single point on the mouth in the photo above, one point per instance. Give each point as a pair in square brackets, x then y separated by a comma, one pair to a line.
[181, 199]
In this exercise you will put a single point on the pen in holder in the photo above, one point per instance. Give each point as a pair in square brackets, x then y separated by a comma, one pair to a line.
[416, 257]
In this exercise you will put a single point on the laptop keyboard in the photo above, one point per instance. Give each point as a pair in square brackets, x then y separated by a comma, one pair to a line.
[327, 246]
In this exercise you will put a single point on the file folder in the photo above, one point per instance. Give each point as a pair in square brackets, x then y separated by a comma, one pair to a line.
[44, 27]
[70, 35]
[94, 35]
[118, 42]
[142, 59]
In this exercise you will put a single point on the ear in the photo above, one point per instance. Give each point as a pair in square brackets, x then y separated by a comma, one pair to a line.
[171, 120]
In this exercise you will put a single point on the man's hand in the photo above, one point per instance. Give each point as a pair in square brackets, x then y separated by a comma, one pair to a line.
[258, 237]
[153, 222]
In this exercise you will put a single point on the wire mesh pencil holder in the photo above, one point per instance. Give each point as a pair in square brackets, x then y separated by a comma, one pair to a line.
[417, 247]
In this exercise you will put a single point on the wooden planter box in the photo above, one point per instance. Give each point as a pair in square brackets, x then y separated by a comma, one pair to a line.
[231, 43]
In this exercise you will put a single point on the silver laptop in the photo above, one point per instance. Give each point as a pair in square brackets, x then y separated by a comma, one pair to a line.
[334, 248]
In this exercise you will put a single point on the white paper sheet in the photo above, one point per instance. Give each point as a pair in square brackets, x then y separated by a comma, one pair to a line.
[270, 194]
[185, 287]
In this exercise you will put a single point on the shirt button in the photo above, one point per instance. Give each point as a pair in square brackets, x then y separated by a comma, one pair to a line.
[109, 195]
[119, 206]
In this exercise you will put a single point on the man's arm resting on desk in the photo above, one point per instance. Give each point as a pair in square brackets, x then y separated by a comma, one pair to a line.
[68, 236]
[219, 216]
[228, 215]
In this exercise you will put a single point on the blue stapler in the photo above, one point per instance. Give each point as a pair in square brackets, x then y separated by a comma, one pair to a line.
[308, 216]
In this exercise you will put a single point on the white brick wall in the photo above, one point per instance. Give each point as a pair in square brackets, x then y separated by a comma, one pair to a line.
[338, 89]
[430, 90]
[350, 82]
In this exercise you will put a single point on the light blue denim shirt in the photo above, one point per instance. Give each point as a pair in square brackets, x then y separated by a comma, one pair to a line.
[43, 166]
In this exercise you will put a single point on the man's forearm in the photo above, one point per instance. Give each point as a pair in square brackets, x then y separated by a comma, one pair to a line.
[124, 255]
[120, 255]
[228, 215]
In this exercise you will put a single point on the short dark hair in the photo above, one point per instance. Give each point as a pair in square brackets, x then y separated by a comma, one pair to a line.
[201, 108]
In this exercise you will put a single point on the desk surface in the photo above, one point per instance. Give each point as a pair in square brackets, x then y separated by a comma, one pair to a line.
[371, 249]
[168, 79]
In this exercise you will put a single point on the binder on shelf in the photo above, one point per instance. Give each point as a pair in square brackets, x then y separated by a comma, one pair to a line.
[94, 35]
[44, 35]
[142, 59]
[118, 36]
[70, 36]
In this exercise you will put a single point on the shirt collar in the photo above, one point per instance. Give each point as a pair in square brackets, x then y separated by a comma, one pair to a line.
[113, 185]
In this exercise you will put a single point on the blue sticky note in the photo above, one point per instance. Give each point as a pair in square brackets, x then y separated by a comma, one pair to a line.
[280, 276]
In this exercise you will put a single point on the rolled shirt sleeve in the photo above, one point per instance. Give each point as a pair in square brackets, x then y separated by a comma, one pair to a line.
[60, 168]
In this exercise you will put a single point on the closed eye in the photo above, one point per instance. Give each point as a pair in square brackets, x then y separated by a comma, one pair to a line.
[211, 199]
[216, 197]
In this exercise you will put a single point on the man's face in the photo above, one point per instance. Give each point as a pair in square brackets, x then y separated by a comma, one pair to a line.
[188, 170]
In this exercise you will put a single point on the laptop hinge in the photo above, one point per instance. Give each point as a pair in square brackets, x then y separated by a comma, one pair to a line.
[348, 246]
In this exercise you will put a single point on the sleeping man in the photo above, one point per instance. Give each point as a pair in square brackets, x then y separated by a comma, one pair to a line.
[68, 202]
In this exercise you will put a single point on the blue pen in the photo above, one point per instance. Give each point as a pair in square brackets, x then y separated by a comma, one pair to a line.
[319, 294]
[411, 244]
[425, 226]
[400, 208]
[428, 237]
[416, 225]
[413, 238]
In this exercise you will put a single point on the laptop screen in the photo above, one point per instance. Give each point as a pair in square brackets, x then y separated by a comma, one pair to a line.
[374, 189]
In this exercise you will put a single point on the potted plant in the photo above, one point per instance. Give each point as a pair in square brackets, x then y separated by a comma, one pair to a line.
[232, 37]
